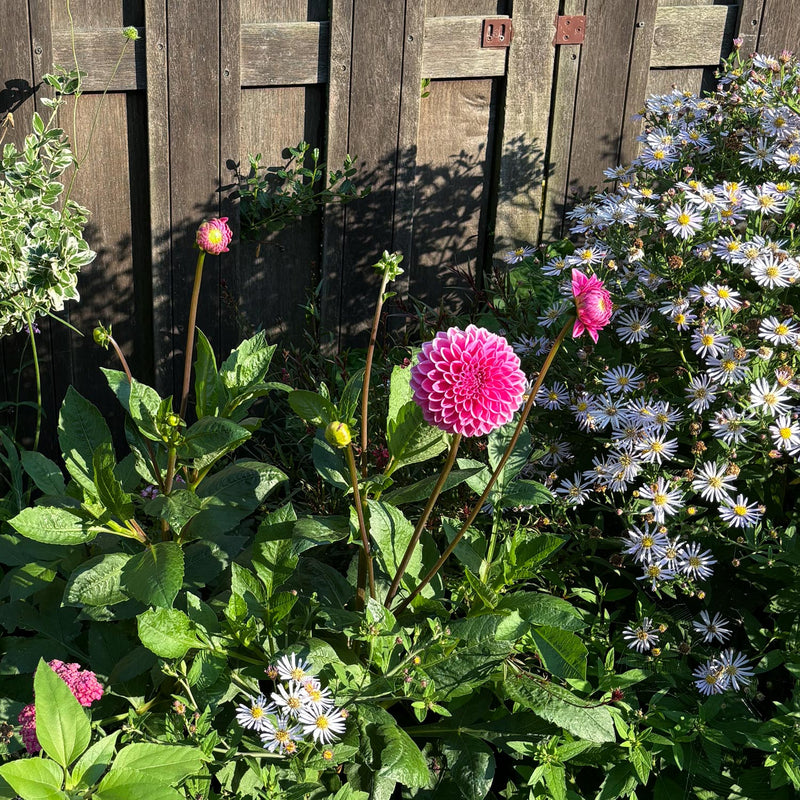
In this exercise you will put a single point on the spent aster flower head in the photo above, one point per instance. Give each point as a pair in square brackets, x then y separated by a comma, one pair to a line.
[592, 302]
[214, 236]
[467, 382]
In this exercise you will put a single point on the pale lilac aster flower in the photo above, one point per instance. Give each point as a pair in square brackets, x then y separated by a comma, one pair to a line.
[735, 668]
[622, 379]
[740, 513]
[785, 433]
[292, 668]
[467, 382]
[656, 573]
[710, 678]
[712, 628]
[576, 491]
[708, 341]
[634, 326]
[515, 256]
[663, 500]
[683, 221]
[770, 272]
[324, 726]
[643, 637]
[290, 698]
[728, 369]
[253, 714]
[779, 331]
[702, 391]
[279, 733]
[712, 482]
[728, 426]
[696, 564]
[646, 546]
[770, 398]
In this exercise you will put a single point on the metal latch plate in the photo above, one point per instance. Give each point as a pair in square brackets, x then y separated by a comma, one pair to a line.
[497, 32]
[570, 29]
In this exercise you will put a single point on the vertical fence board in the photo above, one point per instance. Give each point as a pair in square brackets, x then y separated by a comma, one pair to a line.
[194, 124]
[158, 125]
[780, 27]
[568, 60]
[230, 100]
[525, 122]
[749, 23]
[637, 78]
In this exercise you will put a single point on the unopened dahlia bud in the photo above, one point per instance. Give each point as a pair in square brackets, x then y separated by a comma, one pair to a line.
[214, 236]
[338, 434]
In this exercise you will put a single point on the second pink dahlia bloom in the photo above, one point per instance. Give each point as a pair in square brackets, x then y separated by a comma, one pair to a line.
[467, 382]
[593, 304]
[214, 236]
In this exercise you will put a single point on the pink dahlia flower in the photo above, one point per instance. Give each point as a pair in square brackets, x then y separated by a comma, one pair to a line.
[593, 303]
[467, 382]
[81, 682]
[214, 236]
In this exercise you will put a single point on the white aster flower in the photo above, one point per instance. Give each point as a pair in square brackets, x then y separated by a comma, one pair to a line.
[290, 668]
[728, 369]
[622, 379]
[708, 341]
[634, 326]
[643, 637]
[515, 256]
[253, 715]
[702, 392]
[663, 500]
[770, 398]
[554, 398]
[729, 426]
[672, 553]
[778, 331]
[279, 733]
[785, 433]
[712, 482]
[683, 221]
[696, 564]
[646, 546]
[290, 698]
[655, 573]
[735, 668]
[740, 513]
[575, 491]
[772, 272]
[712, 628]
[710, 678]
[655, 448]
[324, 726]
[720, 296]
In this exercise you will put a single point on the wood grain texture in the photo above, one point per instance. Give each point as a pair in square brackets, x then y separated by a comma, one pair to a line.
[525, 122]
[638, 74]
[98, 50]
[284, 53]
[338, 126]
[749, 23]
[690, 36]
[452, 49]
[600, 95]
[158, 179]
[663, 81]
[780, 27]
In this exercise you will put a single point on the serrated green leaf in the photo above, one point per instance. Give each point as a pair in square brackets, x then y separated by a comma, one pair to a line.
[330, 463]
[95, 761]
[142, 402]
[62, 726]
[155, 575]
[562, 653]
[96, 582]
[53, 526]
[109, 489]
[81, 430]
[470, 763]
[167, 632]
[210, 393]
[538, 608]
[209, 439]
[312, 407]
[34, 779]
[247, 364]
[411, 440]
[43, 472]
[127, 784]
[164, 763]
[561, 707]
[421, 490]
[25, 580]
[499, 439]
[399, 391]
[348, 404]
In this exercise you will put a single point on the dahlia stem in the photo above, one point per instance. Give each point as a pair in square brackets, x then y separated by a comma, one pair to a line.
[362, 526]
[38, 375]
[373, 337]
[401, 569]
[187, 367]
[496, 474]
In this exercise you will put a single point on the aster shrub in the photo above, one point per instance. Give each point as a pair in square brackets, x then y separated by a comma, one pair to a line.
[672, 445]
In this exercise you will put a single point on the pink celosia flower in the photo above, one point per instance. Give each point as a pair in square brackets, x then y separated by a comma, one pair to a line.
[467, 382]
[593, 303]
[81, 682]
[214, 236]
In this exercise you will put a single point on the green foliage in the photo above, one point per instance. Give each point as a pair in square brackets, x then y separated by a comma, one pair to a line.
[274, 197]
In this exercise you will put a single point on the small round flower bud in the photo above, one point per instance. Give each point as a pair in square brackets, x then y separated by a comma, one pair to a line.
[131, 33]
[214, 236]
[173, 420]
[338, 434]
[101, 336]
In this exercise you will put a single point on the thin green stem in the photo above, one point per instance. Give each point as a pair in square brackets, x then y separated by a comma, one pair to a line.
[373, 338]
[362, 526]
[426, 512]
[487, 562]
[497, 472]
[38, 374]
[187, 367]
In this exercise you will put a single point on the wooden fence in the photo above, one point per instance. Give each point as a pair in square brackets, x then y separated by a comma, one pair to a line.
[486, 160]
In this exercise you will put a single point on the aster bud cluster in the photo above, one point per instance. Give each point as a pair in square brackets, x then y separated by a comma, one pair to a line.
[300, 709]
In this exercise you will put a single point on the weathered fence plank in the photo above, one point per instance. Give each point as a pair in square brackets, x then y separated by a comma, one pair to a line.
[452, 49]
[284, 53]
[711, 27]
[101, 48]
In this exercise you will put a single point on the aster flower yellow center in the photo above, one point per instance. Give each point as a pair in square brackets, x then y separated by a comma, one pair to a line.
[293, 702]
[519, 251]
[648, 541]
[711, 678]
[707, 339]
[656, 447]
[740, 511]
[786, 433]
[659, 499]
[281, 736]
[680, 319]
[728, 365]
[658, 154]
[635, 327]
[781, 329]
[783, 186]
[581, 405]
[683, 219]
[715, 482]
[622, 381]
[653, 571]
[732, 247]
[772, 271]
[297, 674]
[765, 201]
[642, 635]
[694, 562]
[700, 393]
[256, 712]
[315, 695]
[794, 160]
[552, 396]
[770, 399]
[322, 722]
[671, 553]
[724, 293]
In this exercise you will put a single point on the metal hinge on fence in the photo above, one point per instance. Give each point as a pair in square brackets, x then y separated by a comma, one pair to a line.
[570, 29]
[497, 32]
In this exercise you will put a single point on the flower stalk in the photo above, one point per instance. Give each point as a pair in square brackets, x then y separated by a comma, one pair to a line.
[187, 367]
[497, 472]
[366, 558]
